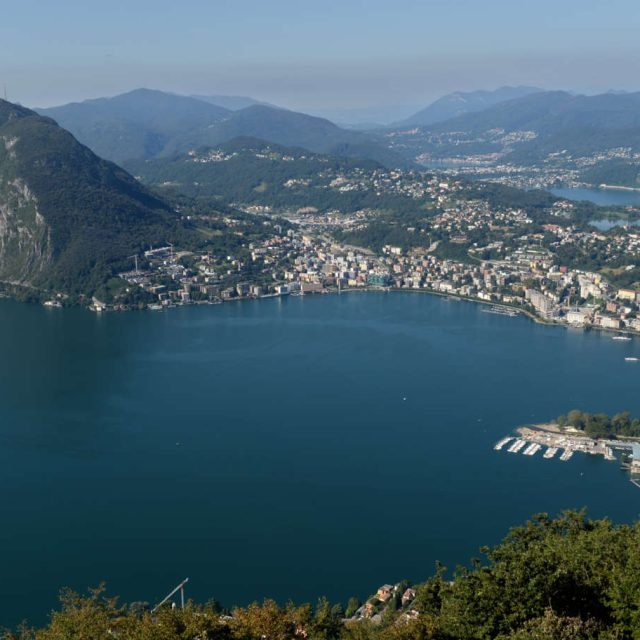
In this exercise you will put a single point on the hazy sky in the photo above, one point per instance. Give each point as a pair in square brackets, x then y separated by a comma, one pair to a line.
[320, 53]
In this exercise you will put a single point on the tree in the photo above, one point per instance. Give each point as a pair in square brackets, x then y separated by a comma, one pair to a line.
[352, 606]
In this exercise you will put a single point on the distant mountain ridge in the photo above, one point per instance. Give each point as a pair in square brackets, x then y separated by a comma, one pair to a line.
[459, 103]
[145, 124]
[562, 121]
[552, 111]
[136, 124]
[67, 217]
[232, 103]
[250, 171]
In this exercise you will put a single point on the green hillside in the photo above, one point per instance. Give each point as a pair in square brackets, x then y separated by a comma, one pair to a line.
[253, 171]
[575, 124]
[568, 578]
[138, 124]
[68, 218]
[145, 124]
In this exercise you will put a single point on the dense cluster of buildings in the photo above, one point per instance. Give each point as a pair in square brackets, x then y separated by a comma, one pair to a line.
[301, 262]
[454, 154]
[504, 257]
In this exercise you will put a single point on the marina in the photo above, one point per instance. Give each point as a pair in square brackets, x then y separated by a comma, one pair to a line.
[501, 311]
[502, 442]
[532, 449]
[109, 443]
[532, 439]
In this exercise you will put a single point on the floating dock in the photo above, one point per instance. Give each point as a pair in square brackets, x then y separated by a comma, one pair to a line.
[516, 446]
[532, 449]
[502, 442]
[550, 452]
[566, 455]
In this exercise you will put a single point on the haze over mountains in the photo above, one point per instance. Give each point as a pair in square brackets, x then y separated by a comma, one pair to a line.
[68, 217]
[141, 123]
[561, 122]
[459, 103]
[145, 124]
[232, 103]
[551, 112]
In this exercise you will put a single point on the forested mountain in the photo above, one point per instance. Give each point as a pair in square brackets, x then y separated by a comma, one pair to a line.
[138, 124]
[147, 124]
[251, 171]
[291, 129]
[232, 103]
[459, 103]
[67, 217]
[553, 112]
[561, 122]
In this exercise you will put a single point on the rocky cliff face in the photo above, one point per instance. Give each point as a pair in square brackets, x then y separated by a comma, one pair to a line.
[68, 219]
[25, 237]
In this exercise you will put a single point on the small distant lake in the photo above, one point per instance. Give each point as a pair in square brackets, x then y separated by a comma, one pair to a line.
[601, 197]
[606, 224]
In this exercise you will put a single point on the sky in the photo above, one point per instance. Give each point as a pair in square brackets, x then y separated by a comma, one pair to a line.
[315, 54]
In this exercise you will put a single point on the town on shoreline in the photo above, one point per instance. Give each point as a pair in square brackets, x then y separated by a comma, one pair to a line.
[529, 283]
[488, 248]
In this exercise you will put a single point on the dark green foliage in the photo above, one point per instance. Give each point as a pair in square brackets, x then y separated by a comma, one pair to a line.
[250, 179]
[614, 172]
[501, 196]
[453, 251]
[384, 231]
[96, 215]
[601, 425]
[352, 606]
[568, 578]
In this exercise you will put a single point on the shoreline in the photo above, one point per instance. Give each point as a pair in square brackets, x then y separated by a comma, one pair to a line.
[554, 427]
[553, 439]
[501, 305]
[614, 187]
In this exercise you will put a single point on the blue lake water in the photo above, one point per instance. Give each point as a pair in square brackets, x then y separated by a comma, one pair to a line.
[286, 447]
[603, 197]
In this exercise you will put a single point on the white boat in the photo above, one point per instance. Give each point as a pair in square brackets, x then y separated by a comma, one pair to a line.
[532, 449]
[516, 446]
[631, 359]
[625, 338]
[502, 442]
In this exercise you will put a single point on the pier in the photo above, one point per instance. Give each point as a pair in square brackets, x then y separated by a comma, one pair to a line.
[516, 446]
[502, 442]
[532, 439]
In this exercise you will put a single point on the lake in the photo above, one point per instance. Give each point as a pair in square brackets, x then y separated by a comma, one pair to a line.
[602, 197]
[285, 447]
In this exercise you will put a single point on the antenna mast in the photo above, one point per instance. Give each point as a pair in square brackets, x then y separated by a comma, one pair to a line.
[180, 588]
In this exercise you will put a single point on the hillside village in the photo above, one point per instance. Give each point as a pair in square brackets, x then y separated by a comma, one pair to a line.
[468, 249]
